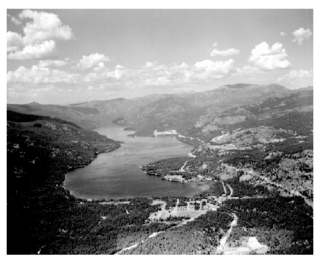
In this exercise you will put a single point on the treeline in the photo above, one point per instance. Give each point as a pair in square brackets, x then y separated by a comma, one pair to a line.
[277, 213]
[243, 188]
[42, 216]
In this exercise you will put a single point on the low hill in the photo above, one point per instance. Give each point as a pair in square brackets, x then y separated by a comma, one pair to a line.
[40, 151]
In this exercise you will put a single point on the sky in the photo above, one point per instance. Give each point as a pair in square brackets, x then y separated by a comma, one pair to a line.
[67, 55]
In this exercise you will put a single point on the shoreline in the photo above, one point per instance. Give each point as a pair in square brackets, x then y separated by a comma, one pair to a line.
[203, 188]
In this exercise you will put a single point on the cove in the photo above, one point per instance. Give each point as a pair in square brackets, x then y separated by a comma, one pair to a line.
[117, 174]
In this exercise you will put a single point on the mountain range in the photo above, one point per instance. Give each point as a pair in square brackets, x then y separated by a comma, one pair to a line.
[158, 111]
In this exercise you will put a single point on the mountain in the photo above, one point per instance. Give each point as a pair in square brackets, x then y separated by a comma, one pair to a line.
[272, 110]
[40, 151]
[259, 158]
[157, 111]
[254, 157]
[179, 111]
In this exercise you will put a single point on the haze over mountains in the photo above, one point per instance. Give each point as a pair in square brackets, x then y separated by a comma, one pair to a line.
[159, 111]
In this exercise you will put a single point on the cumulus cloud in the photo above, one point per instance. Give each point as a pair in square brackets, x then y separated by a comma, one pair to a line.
[92, 60]
[15, 21]
[228, 52]
[35, 51]
[219, 67]
[44, 26]
[14, 41]
[152, 74]
[301, 35]
[152, 65]
[297, 74]
[39, 36]
[248, 70]
[39, 75]
[283, 34]
[269, 58]
[51, 63]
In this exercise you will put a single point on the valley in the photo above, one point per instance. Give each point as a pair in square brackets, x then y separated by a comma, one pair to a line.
[251, 157]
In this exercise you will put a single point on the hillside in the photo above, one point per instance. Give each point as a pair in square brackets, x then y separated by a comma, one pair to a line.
[40, 151]
[179, 111]
[274, 111]
[262, 157]
[255, 159]
[158, 111]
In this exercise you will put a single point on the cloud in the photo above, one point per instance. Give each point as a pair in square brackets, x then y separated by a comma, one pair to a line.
[269, 58]
[44, 26]
[152, 74]
[152, 65]
[228, 52]
[207, 69]
[283, 34]
[92, 60]
[301, 35]
[51, 63]
[248, 70]
[35, 51]
[14, 41]
[297, 74]
[39, 75]
[214, 66]
[16, 21]
[39, 36]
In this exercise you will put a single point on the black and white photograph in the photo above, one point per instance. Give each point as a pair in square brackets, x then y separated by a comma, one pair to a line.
[159, 131]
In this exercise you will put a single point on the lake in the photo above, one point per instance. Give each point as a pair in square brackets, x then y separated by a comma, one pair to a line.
[118, 175]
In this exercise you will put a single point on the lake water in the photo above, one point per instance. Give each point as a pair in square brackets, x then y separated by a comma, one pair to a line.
[118, 175]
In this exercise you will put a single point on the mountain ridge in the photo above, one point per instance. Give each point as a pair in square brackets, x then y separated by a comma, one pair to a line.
[97, 113]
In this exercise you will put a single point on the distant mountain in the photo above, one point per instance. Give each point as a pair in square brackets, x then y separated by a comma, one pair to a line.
[157, 111]
[179, 111]
[309, 88]
[275, 111]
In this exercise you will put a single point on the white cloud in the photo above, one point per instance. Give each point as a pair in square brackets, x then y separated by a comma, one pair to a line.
[160, 81]
[301, 35]
[248, 70]
[35, 51]
[283, 34]
[218, 67]
[228, 52]
[45, 72]
[150, 64]
[44, 26]
[39, 35]
[38, 75]
[297, 74]
[92, 60]
[51, 63]
[269, 58]
[14, 41]
[15, 21]
[181, 66]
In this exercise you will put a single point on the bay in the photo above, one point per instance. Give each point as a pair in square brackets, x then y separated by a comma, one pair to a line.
[118, 174]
